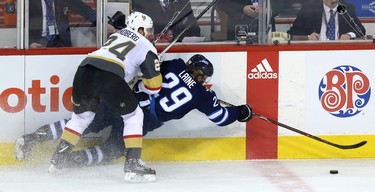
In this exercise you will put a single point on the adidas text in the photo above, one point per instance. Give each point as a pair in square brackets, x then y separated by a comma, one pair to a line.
[263, 75]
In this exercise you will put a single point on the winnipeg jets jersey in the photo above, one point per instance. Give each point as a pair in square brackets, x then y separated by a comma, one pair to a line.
[180, 94]
[127, 53]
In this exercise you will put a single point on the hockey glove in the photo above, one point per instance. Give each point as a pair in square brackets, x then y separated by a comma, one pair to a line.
[117, 20]
[142, 97]
[245, 113]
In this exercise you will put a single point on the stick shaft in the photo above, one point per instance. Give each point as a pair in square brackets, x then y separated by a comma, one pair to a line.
[187, 27]
[302, 132]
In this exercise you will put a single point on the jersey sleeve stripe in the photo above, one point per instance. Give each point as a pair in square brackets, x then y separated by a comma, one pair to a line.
[105, 64]
[107, 59]
[153, 84]
[224, 118]
[215, 114]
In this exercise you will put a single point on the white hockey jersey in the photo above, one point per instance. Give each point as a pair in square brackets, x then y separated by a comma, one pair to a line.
[128, 53]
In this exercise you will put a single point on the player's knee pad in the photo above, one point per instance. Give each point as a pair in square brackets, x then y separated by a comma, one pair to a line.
[79, 122]
[133, 122]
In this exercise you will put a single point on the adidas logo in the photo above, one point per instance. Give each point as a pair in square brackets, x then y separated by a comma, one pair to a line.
[262, 71]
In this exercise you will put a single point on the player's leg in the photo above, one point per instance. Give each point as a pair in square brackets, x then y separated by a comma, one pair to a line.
[104, 117]
[124, 103]
[112, 149]
[84, 107]
[150, 121]
[97, 155]
[134, 168]
[70, 137]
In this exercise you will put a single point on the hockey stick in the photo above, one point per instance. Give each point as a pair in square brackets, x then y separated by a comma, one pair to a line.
[360, 144]
[187, 27]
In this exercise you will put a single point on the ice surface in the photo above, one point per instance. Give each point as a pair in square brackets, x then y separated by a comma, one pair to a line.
[209, 176]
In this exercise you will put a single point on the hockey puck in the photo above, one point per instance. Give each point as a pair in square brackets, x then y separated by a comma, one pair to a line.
[333, 171]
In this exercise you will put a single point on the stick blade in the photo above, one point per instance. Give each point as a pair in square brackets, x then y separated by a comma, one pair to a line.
[354, 146]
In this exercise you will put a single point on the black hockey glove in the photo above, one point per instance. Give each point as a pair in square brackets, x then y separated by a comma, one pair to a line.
[117, 20]
[245, 113]
[142, 97]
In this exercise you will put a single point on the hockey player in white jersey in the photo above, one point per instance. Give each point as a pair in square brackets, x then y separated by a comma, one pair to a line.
[104, 76]
[182, 92]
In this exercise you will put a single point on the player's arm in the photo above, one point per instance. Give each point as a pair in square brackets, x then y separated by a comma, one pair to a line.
[223, 116]
[226, 115]
[151, 80]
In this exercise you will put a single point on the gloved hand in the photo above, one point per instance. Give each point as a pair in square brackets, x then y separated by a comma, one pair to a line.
[117, 20]
[245, 113]
[142, 97]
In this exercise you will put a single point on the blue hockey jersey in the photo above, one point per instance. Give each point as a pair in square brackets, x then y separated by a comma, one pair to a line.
[180, 94]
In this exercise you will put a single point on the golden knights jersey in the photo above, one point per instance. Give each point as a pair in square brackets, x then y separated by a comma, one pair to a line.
[128, 53]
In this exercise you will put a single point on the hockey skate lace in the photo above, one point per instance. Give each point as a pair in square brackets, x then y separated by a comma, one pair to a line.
[143, 164]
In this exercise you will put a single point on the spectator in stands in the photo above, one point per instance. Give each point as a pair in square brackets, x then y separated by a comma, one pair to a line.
[161, 12]
[314, 21]
[49, 24]
[240, 12]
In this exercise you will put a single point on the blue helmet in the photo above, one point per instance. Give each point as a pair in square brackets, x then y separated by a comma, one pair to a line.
[200, 65]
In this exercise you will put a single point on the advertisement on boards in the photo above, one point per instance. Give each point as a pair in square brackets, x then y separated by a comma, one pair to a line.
[12, 97]
[339, 92]
[37, 91]
[262, 94]
[327, 92]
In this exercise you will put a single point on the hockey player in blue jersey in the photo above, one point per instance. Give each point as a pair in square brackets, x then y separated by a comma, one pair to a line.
[182, 91]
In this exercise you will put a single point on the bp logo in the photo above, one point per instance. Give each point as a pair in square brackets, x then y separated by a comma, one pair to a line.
[344, 91]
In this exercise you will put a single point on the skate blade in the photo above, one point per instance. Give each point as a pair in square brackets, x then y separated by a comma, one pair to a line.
[18, 149]
[133, 177]
[54, 170]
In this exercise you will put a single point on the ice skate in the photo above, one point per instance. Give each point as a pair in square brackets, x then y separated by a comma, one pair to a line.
[136, 171]
[59, 158]
[23, 146]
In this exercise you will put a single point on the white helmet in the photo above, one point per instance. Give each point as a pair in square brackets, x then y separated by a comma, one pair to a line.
[138, 19]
